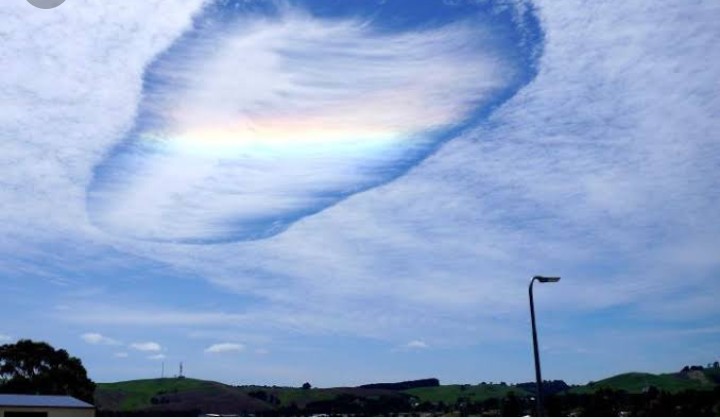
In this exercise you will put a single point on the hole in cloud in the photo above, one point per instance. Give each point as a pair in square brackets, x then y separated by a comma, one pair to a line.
[267, 112]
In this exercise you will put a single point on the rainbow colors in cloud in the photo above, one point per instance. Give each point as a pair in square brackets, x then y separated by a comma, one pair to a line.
[268, 112]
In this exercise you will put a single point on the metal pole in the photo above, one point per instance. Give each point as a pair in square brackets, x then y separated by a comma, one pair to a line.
[538, 377]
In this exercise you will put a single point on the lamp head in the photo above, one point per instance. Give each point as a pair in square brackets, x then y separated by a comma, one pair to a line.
[547, 278]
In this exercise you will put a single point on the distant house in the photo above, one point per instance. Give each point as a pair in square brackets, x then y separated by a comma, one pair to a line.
[29, 405]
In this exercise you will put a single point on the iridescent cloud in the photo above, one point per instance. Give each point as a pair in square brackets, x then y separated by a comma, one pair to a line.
[267, 112]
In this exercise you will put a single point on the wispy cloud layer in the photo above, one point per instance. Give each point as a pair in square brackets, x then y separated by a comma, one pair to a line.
[570, 178]
[224, 347]
[246, 128]
[146, 346]
[603, 170]
[98, 339]
[416, 344]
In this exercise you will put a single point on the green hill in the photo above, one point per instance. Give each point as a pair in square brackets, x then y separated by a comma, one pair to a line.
[175, 394]
[189, 396]
[450, 394]
[638, 382]
[288, 396]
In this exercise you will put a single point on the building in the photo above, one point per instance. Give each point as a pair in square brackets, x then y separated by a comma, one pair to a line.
[29, 405]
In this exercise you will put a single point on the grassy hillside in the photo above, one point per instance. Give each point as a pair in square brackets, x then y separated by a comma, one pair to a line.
[176, 394]
[286, 396]
[637, 382]
[130, 395]
[450, 394]
[189, 395]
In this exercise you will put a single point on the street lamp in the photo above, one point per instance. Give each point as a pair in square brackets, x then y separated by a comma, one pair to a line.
[538, 376]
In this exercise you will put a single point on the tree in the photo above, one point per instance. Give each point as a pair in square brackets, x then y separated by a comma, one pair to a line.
[28, 367]
[306, 386]
[510, 405]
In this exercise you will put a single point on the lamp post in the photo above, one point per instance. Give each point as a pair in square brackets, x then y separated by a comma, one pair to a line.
[538, 375]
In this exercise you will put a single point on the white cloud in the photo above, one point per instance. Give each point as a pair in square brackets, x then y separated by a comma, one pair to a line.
[156, 356]
[416, 344]
[121, 355]
[225, 347]
[37, 161]
[554, 181]
[146, 346]
[98, 339]
[328, 107]
[5, 338]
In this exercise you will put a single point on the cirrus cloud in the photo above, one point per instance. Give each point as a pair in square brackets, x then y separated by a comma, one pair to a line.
[416, 344]
[146, 346]
[603, 170]
[223, 151]
[98, 339]
[225, 347]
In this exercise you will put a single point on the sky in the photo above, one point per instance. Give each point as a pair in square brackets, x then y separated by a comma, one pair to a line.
[346, 192]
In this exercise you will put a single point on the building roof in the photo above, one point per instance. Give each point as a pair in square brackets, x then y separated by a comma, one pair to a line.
[26, 400]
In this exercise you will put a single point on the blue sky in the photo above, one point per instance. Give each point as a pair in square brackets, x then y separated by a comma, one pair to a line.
[349, 192]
